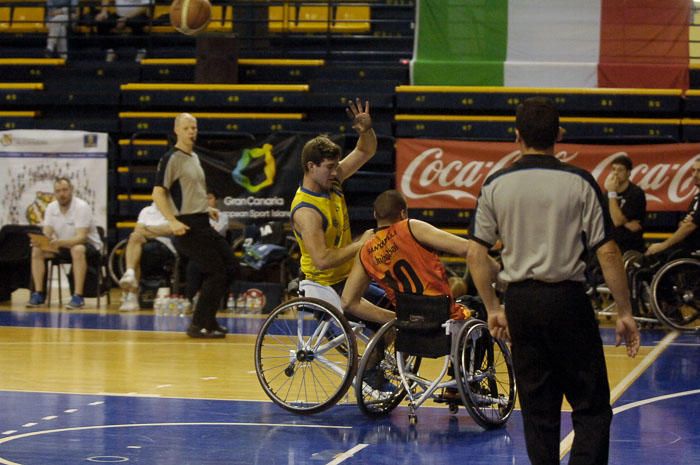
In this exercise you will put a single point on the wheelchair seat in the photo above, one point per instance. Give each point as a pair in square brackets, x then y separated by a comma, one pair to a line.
[420, 321]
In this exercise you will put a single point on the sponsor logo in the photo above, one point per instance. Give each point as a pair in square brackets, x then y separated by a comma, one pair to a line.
[256, 169]
[6, 140]
[450, 175]
[90, 140]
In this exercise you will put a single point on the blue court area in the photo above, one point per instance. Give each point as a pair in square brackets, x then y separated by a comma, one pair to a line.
[657, 416]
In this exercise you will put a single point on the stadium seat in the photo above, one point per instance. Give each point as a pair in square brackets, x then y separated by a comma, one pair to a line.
[28, 19]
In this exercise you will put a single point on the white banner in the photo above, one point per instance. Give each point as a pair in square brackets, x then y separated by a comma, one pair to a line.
[30, 161]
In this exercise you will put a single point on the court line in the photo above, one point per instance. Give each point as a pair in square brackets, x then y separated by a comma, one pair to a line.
[347, 454]
[83, 428]
[624, 384]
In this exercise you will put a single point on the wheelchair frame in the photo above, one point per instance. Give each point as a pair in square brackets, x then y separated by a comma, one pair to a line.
[306, 356]
[670, 292]
[488, 392]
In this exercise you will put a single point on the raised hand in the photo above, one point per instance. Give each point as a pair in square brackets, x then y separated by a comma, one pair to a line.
[361, 121]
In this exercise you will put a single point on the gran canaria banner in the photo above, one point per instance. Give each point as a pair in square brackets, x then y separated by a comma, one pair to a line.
[449, 174]
[32, 159]
[257, 182]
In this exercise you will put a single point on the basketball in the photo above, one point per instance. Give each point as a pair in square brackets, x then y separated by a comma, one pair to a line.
[190, 16]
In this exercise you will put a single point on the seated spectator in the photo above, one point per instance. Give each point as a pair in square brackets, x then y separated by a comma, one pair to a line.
[58, 17]
[70, 228]
[686, 238]
[132, 14]
[628, 205]
[150, 225]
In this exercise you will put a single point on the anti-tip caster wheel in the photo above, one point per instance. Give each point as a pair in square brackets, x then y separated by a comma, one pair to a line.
[453, 409]
[412, 419]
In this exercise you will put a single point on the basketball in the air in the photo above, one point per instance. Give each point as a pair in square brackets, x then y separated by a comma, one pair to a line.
[190, 16]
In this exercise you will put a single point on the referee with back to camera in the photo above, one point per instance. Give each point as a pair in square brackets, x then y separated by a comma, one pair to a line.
[180, 193]
[548, 214]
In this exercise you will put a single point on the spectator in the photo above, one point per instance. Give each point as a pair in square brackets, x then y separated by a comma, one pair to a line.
[58, 17]
[150, 224]
[627, 204]
[132, 14]
[70, 228]
[547, 214]
[686, 238]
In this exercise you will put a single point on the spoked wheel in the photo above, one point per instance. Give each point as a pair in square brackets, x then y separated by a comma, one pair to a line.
[675, 292]
[116, 263]
[305, 355]
[378, 386]
[484, 375]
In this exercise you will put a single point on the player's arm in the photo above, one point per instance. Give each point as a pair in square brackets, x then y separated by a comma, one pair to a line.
[308, 224]
[437, 239]
[685, 229]
[352, 301]
[366, 145]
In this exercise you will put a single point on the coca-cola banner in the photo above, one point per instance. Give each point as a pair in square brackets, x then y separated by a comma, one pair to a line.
[449, 174]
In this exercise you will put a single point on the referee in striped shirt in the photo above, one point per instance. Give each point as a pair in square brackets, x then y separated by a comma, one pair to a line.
[548, 215]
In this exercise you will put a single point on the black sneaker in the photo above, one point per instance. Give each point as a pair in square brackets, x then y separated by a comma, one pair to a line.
[198, 332]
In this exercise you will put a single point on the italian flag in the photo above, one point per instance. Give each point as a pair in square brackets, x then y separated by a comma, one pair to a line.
[552, 43]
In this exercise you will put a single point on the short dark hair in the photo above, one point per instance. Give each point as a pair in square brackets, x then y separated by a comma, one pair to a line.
[537, 121]
[318, 149]
[212, 191]
[389, 204]
[623, 160]
[62, 179]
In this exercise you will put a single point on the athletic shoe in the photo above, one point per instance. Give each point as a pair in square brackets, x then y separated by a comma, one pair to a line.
[37, 299]
[376, 379]
[198, 332]
[140, 55]
[130, 303]
[76, 302]
[128, 280]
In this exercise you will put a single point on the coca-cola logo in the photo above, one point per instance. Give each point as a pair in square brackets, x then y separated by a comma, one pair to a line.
[449, 174]
[439, 177]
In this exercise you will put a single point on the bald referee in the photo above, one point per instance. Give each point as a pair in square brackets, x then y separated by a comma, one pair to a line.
[548, 215]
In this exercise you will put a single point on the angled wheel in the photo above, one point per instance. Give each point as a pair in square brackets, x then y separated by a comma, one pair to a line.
[305, 355]
[378, 386]
[484, 375]
[675, 292]
[116, 263]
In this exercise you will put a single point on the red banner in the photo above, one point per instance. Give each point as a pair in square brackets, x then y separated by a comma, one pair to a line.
[449, 174]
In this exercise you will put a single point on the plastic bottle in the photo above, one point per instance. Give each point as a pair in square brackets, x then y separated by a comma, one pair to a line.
[230, 303]
[241, 303]
[158, 305]
[180, 305]
[172, 305]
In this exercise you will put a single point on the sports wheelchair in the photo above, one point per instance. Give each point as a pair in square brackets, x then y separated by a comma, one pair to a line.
[306, 357]
[480, 366]
[666, 293]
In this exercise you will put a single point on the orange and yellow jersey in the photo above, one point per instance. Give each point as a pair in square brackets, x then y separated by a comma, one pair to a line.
[396, 261]
[336, 230]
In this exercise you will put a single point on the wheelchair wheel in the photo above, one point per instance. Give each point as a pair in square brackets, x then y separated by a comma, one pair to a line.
[116, 263]
[305, 355]
[484, 375]
[675, 292]
[378, 386]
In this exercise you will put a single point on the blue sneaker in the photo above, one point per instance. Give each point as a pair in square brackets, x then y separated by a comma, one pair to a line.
[37, 299]
[76, 302]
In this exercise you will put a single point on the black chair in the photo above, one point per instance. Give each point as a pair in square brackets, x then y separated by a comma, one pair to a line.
[15, 258]
[94, 287]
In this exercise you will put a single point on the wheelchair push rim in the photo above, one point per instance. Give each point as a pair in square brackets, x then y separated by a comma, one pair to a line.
[675, 291]
[484, 376]
[378, 386]
[305, 355]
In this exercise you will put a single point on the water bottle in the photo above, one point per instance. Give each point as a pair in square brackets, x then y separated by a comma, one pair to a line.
[172, 305]
[158, 305]
[230, 303]
[241, 303]
[180, 305]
